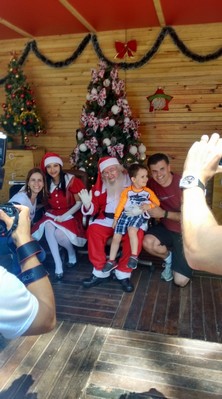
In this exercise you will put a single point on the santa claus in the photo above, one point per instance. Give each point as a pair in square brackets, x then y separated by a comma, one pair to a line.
[102, 201]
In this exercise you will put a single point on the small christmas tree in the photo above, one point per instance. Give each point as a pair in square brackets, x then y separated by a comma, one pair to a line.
[20, 116]
[107, 124]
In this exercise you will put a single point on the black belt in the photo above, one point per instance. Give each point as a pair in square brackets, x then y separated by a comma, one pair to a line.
[109, 215]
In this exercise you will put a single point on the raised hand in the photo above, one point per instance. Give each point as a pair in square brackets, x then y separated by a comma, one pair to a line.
[86, 197]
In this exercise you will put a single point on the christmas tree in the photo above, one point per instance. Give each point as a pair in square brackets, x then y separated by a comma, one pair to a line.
[107, 124]
[20, 116]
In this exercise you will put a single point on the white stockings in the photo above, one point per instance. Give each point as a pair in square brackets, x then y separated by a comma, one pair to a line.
[56, 237]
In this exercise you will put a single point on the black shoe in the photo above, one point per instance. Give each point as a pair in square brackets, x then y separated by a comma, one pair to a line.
[59, 277]
[70, 265]
[92, 281]
[127, 286]
[113, 276]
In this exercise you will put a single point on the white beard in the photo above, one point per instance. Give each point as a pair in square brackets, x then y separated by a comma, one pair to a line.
[114, 189]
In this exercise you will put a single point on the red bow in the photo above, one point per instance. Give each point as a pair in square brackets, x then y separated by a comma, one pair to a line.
[125, 48]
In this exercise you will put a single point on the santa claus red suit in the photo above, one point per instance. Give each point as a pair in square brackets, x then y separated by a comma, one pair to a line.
[112, 179]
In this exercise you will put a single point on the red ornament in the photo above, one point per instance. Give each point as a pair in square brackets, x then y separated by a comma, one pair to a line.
[125, 49]
[159, 100]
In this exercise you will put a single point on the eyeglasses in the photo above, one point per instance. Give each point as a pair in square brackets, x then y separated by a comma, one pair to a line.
[109, 172]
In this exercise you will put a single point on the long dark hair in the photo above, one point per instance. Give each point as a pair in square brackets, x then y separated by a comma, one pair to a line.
[62, 182]
[43, 194]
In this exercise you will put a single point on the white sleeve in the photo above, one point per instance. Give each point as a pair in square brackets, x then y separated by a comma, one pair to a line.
[21, 198]
[18, 307]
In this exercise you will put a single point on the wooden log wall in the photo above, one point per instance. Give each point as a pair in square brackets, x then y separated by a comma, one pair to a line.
[196, 88]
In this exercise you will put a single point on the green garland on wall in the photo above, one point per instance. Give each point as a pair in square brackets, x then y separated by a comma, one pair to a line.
[167, 30]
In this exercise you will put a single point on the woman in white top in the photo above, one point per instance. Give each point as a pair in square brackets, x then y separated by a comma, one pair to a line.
[33, 192]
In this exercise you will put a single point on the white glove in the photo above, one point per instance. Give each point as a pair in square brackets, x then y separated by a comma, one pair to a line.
[135, 211]
[67, 215]
[61, 218]
[85, 197]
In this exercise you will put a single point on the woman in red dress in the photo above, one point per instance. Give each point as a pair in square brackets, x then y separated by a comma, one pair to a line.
[62, 223]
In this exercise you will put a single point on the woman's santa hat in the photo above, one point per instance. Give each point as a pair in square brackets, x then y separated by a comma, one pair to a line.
[50, 157]
[103, 163]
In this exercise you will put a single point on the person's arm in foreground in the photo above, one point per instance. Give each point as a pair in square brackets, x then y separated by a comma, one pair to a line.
[201, 233]
[45, 319]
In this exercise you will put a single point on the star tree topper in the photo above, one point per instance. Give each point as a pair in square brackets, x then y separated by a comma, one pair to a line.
[159, 100]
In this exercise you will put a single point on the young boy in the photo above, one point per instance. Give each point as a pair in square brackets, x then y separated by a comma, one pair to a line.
[130, 215]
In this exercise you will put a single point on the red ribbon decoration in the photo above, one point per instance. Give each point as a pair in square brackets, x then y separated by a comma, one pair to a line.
[125, 49]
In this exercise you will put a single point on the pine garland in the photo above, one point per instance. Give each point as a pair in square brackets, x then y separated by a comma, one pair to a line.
[167, 30]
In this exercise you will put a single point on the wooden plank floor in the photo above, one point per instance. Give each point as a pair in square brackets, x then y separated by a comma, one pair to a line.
[155, 306]
[84, 361]
[158, 342]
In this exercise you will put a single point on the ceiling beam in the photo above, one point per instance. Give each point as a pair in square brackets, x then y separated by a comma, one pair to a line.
[77, 15]
[15, 28]
[159, 12]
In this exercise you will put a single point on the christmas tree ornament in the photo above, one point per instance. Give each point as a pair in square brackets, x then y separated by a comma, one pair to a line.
[142, 148]
[159, 100]
[83, 147]
[79, 135]
[129, 160]
[106, 83]
[112, 122]
[115, 109]
[133, 150]
[113, 140]
[125, 49]
[143, 156]
[107, 142]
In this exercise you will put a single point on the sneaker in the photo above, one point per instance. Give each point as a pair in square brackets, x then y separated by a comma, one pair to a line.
[132, 264]
[110, 265]
[167, 274]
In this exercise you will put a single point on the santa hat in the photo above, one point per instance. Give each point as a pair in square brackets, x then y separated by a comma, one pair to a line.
[106, 162]
[50, 157]
[103, 163]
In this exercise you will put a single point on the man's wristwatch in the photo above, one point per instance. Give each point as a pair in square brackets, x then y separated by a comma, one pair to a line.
[190, 181]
